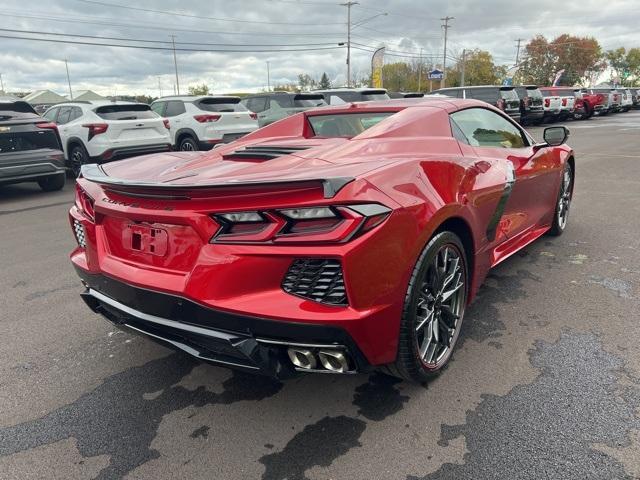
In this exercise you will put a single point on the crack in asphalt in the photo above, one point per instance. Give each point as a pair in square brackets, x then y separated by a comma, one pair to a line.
[116, 420]
[547, 429]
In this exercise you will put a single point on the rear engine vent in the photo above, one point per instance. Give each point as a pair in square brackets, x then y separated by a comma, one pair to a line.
[263, 152]
[78, 229]
[320, 280]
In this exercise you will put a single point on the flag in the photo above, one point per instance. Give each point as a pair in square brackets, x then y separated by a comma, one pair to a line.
[377, 61]
[557, 78]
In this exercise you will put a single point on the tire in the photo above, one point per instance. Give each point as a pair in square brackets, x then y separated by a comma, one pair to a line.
[421, 353]
[52, 183]
[188, 144]
[78, 156]
[561, 213]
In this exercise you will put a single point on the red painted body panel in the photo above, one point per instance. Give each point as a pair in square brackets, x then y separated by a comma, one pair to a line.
[409, 163]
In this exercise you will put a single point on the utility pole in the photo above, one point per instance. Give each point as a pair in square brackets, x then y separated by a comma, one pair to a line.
[159, 87]
[66, 64]
[1, 84]
[349, 5]
[464, 61]
[518, 50]
[268, 77]
[446, 27]
[175, 61]
[420, 71]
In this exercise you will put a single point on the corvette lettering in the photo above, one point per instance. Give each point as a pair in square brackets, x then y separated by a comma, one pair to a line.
[137, 205]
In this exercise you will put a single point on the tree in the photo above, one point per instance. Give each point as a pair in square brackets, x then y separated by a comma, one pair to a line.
[306, 82]
[199, 90]
[633, 63]
[538, 66]
[479, 69]
[399, 77]
[324, 81]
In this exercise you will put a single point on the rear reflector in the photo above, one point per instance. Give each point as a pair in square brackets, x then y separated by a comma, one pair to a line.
[206, 118]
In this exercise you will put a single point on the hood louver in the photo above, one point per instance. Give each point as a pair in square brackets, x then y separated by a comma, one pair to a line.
[263, 152]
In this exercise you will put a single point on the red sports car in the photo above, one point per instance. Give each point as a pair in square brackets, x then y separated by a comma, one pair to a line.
[337, 240]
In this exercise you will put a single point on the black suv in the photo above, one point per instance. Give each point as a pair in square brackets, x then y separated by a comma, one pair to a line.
[531, 109]
[503, 97]
[273, 106]
[30, 147]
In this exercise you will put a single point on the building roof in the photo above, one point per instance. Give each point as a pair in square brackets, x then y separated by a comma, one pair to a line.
[44, 97]
[87, 95]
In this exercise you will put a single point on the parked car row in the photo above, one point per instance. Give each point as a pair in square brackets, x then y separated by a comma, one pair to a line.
[530, 104]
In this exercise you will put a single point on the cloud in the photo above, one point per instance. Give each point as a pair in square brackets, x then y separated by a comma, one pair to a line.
[492, 25]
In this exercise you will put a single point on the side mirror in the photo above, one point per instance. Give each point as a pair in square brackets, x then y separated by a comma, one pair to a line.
[555, 136]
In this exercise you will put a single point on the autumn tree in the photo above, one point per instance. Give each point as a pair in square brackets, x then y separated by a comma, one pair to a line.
[538, 66]
[633, 63]
[306, 82]
[199, 90]
[479, 69]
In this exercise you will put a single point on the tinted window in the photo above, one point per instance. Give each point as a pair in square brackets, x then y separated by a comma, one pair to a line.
[64, 115]
[368, 97]
[489, 95]
[484, 128]
[76, 112]
[29, 140]
[534, 93]
[19, 107]
[158, 107]
[510, 94]
[349, 96]
[308, 101]
[282, 101]
[345, 124]
[221, 105]
[257, 104]
[174, 108]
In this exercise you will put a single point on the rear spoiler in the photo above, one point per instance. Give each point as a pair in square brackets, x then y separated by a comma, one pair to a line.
[94, 173]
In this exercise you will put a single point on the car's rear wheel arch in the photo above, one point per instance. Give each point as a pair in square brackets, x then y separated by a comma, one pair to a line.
[572, 163]
[184, 133]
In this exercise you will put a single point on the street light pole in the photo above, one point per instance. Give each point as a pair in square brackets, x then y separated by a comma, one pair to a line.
[349, 5]
[1, 84]
[420, 71]
[446, 27]
[66, 64]
[268, 77]
[175, 62]
[464, 60]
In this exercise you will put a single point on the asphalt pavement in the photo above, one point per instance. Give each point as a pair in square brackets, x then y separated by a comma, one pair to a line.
[544, 384]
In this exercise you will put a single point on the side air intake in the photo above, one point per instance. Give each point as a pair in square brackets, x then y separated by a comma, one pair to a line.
[320, 280]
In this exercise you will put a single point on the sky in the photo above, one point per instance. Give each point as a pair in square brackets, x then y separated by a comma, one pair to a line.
[293, 36]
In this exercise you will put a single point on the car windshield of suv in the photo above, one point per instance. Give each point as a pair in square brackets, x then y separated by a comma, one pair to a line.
[345, 124]
[125, 112]
[308, 101]
[221, 105]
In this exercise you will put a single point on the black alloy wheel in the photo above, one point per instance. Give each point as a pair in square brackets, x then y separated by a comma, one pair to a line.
[188, 144]
[561, 214]
[434, 309]
[78, 157]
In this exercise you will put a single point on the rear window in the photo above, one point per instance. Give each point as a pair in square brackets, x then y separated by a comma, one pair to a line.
[18, 107]
[308, 101]
[221, 104]
[509, 94]
[489, 95]
[375, 95]
[534, 93]
[28, 138]
[345, 124]
[125, 112]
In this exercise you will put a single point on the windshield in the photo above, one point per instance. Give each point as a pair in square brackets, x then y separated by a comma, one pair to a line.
[345, 124]
[125, 112]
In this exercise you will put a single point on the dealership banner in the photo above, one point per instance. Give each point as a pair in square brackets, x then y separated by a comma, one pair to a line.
[556, 80]
[377, 62]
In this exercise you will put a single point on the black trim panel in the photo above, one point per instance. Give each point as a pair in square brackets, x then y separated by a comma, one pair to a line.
[502, 203]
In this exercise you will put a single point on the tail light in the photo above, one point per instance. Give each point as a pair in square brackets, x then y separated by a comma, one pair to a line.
[500, 104]
[564, 102]
[95, 129]
[323, 224]
[85, 203]
[547, 102]
[47, 125]
[208, 118]
[254, 116]
[167, 125]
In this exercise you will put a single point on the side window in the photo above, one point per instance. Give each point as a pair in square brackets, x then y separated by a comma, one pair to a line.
[64, 115]
[158, 107]
[454, 93]
[174, 108]
[76, 112]
[51, 114]
[489, 95]
[284, 101]
[257, 104]
[458, 134]
[274, 104]
[484, 128]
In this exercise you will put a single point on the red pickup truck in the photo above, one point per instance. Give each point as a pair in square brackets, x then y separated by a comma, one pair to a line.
[588, 102]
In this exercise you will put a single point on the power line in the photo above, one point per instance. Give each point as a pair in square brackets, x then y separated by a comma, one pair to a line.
[99, 37]
[201, 17]
[145, 47]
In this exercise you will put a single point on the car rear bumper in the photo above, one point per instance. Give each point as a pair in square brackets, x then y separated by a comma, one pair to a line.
[227, 339]
[30, 165]
[125, 152]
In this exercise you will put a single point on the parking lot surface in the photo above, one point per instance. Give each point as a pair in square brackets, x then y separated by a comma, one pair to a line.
[544, 384]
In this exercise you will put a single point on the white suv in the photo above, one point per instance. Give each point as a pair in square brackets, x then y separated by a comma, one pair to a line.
[200, 122]
[100, 131]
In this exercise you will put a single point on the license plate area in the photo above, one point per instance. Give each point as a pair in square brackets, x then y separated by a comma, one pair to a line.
[146, 239]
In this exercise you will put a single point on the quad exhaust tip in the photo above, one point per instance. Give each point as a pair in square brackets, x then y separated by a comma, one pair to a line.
[330, 360]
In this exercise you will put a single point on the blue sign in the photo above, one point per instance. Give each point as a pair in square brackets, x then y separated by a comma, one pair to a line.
[436, 75]
[507, 82]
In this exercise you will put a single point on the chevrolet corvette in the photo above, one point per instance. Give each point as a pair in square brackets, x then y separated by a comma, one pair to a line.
[338, 240]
